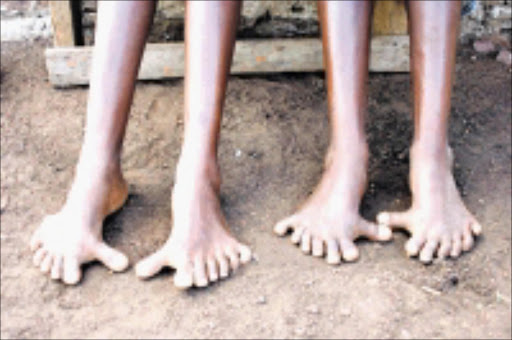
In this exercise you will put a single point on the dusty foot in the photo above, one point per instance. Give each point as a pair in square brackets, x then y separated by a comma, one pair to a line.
[200, 246]
[329, 221]
[438, 219]
[73, 236]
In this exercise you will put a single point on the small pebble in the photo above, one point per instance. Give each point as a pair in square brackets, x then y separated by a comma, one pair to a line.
[238, 153]
[313, 309]
[261, 300]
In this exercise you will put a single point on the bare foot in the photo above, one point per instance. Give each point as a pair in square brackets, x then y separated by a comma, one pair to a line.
[73, 236]
[329, 221]
[200, 246]
[438, 219]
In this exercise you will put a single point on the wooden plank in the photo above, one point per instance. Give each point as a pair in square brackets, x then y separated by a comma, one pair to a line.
[389, 18]
[70, 66]
[62, 22]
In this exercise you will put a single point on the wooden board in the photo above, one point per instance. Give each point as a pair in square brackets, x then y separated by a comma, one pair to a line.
[62, 22]
[389, 17]
[71, 66]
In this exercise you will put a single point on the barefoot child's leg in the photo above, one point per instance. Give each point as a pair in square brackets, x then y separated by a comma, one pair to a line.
[329, 221]
[74, 235]
[200, 246]
[438, 220]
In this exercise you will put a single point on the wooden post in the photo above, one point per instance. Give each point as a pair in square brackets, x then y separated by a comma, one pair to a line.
[62, 22]
[389, 18]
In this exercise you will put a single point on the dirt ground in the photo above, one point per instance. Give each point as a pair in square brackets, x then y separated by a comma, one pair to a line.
[274, 135]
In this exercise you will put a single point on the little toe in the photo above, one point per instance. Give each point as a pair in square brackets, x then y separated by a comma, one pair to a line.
[456, 246]
[39, 256]
[444, 247]
[306, 243]
[245, 254]
[113, 259]
[56, 271]
[476, 228]
[282, 227]
[184, 277]
[151, 264]
[46, 264]
[467, 240]
[200, 278]
[428, 250]
[35, 241]
[333, 252]
[349, 250]
[71, 272]
[213, 272]
[318, 247]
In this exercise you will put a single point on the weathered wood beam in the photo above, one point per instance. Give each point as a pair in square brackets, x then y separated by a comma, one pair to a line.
[71, 66]
[62, 22]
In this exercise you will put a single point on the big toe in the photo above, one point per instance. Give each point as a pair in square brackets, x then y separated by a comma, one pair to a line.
[151, 265]
[113, 259]
[71, 273]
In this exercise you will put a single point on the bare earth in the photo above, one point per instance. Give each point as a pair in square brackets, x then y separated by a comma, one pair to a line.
[274, 137]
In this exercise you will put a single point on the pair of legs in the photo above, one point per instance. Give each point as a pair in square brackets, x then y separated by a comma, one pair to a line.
[329, 221]
[200, 246]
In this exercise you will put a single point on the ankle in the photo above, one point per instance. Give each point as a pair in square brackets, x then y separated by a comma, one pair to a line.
[427, 153]
[197, 169]
[347, 154]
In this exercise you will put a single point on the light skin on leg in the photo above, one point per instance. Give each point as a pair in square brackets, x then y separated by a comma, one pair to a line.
[73, 236]
[200, 247]
[329, 221]
[439, 222]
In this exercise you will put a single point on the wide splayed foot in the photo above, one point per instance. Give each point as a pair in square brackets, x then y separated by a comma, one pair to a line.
[200, 247]
[439, 222]
[328, 223]
[73, 236]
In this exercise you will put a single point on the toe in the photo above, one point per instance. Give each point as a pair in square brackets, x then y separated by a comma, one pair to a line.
[413, 246]
[467, 240]
[223, 265]
[234, 260]
[428, 250]
[318, 247]
[245, 254]
[456, 246]
[113, 259]
[71, 272]
[200, 278]
[151, 264]
[333, 252]
[39, 256]
[184, 277]
[306, 243]
[349, 250]
[394, 219]
[56, 268]
[282, 227]
[444, 247]
[35, 241]
[374, 232]
[297, 235]
[47, 263]
[213, 272]
[476, 227]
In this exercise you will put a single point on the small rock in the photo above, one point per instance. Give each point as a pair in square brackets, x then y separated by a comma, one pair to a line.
[313, 309]
[484, 46]
[505, 57]
[238, 153]
[261, 300]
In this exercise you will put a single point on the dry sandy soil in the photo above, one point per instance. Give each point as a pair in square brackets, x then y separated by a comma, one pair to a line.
[274, 135]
